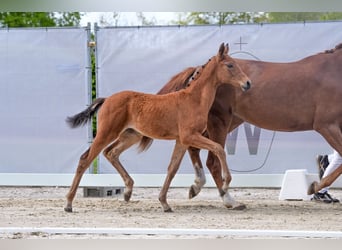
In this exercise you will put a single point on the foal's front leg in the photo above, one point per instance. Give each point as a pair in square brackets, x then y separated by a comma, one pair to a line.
[177, 156]
[199, 141]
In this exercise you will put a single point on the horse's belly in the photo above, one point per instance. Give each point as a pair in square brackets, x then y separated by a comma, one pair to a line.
[280, 123]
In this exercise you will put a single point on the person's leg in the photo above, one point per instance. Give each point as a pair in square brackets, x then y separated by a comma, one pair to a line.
[335, 160]
[322, 163]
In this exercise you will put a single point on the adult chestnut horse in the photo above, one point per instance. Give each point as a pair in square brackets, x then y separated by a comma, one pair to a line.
[180, 116]
[296, 96]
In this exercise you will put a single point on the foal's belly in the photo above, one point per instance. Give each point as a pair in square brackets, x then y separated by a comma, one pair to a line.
[158, 131]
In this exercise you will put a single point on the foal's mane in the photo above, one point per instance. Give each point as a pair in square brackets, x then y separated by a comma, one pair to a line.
[337, 47]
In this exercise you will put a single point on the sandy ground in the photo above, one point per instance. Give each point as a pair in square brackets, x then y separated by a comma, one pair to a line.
[43, 207]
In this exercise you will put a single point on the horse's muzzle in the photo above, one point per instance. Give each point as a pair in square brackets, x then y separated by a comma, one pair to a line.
[246, 86]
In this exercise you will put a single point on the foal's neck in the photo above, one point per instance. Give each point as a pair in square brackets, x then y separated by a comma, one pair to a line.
[203, 89]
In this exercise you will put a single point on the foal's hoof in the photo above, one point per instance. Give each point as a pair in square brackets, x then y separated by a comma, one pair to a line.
[68, 209]
[127, 196]
[312, 188]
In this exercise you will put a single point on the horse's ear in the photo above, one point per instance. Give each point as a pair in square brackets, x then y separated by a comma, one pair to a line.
[221, 51]
[226, 49]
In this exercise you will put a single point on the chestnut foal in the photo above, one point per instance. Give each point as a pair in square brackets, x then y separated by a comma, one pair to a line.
[180, 116]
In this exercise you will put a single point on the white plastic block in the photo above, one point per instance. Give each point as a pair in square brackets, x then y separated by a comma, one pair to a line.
[295, 185]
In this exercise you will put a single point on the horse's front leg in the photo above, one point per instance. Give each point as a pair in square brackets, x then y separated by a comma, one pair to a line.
[200, 180]
[177, 156]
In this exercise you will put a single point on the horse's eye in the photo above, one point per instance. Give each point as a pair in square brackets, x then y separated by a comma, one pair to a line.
[230, 65]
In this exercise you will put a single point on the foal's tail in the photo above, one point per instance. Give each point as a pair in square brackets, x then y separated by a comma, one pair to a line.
[82, 118]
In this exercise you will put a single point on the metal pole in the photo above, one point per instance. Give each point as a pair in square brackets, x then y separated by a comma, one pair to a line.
[89, 78]
[96, 29]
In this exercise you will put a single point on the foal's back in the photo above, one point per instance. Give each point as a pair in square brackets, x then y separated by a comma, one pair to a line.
[152, 115]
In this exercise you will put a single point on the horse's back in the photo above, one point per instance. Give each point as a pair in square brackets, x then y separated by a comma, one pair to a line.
[291, 96]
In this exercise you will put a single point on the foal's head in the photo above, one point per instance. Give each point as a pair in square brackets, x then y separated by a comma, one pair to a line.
[228, 71]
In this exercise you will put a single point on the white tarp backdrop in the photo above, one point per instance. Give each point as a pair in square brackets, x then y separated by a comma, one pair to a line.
[43, 74]
[44, 79]
[144, 59]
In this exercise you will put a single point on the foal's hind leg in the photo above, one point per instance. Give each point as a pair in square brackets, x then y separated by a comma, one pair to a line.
[112, 153]
[177, 156]
[85, 160]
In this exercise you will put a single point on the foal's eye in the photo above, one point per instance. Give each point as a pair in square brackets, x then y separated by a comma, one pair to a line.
[230, 65]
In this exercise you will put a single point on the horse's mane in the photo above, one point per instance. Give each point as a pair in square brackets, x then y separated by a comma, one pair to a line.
[178, 81]
[337, 47]
[182, 80]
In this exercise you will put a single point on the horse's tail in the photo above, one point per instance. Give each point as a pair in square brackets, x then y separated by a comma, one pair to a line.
[82, 118]
[144, 144]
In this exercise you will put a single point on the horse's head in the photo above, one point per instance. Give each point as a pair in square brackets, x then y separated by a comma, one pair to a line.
[228, 71]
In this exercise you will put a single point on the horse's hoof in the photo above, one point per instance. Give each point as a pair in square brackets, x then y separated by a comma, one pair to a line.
[192, 192]
[311, 189]
[68, 209]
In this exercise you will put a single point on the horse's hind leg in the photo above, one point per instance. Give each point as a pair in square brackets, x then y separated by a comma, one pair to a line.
[325, 182]
[126, 139]
[333, 135]
[199, 172]
[177, 156]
